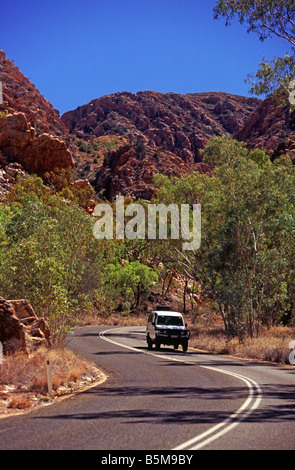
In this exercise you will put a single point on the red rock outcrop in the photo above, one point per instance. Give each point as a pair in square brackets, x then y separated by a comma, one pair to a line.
[31, 131]
[12, 335]
[163, 133]
[22, 96]
[180, 124]
[9, 174]
[271, 126]
[20, 328]
[131, 168]
[37, 154]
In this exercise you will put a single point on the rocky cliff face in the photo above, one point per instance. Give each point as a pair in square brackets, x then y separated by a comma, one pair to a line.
[37, 154]
[166, 133]
[271, 126]
[181, 124]
[20, 95]
[163, 133]
[31, 131]
[130, 170]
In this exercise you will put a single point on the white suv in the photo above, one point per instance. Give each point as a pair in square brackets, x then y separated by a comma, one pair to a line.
[168, 328]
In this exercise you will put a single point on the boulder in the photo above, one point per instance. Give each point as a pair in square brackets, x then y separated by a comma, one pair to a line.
[37, 154]
[81, 184]
[20, 328]
[12, 334]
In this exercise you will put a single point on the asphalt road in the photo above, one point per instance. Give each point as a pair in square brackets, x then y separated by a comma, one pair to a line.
[162, 400]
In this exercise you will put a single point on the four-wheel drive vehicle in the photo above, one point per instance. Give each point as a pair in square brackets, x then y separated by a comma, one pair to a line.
[168, 328]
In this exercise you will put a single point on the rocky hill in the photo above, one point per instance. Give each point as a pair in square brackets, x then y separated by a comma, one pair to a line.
[162, 133]
[272, 127]
[181, 124]
[120, 141]
[32, 136]
[166, 133]
[21, 96]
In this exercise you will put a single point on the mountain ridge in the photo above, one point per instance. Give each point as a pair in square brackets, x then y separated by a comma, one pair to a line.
[119, 141]
[178, 123]
[162, 133]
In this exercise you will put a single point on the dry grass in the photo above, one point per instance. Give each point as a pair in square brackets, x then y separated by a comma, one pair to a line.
[208, 334]
[272, 345]
[23, 378]
[116, 319]
[29, 372]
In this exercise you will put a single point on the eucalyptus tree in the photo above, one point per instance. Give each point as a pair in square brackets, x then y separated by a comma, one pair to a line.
[267, 18]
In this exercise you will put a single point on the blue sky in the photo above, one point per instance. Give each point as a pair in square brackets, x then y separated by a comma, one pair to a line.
[75, 51]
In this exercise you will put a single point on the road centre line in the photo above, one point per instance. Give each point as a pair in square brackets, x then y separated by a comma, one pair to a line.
[225, 426]
[232, 421]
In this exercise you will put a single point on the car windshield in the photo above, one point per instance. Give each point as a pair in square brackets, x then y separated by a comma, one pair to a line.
[169, 320]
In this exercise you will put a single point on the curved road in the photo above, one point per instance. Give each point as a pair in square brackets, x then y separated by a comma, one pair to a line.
[162, 400]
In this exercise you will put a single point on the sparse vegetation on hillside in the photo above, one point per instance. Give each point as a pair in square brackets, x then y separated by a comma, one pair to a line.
[89, 153]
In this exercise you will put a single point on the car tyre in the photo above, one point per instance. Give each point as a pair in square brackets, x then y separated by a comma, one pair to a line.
[149, 342]
[158, 345]
[185, 346]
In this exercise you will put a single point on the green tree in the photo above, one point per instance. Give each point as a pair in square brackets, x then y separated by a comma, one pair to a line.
[267, 18]
[246, 259]
[131, 279]
[273, 77]
[48, 254]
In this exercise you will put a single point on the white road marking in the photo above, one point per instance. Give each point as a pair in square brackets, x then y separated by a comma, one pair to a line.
[233, 420]
[248, 407]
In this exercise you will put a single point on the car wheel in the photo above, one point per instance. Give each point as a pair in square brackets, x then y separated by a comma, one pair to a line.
[158, 345]
[185, 346]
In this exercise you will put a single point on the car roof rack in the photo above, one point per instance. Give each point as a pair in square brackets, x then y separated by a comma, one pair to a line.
[163, 308]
